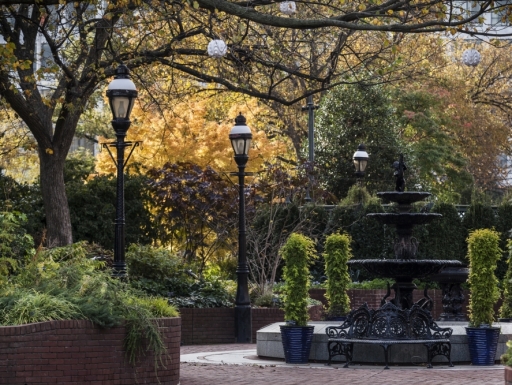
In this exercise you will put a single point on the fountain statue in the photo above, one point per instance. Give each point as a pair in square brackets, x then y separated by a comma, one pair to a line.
[404, 268]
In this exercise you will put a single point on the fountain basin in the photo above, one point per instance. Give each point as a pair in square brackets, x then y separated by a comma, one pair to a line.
[403, 269]
[406, 197]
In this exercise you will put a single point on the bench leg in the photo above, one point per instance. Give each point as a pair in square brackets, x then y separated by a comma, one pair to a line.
[331, 352]
[386, 348]
[336, 348]
[450, 354]
[439, 349]
[429, 357]
[348, 354]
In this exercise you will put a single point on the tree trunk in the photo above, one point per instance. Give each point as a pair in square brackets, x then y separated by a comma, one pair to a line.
[58, 220]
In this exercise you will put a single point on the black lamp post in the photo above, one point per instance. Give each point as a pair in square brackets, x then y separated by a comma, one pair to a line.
[360, 159]
[121, 94]
[240, 137]
[310, 107]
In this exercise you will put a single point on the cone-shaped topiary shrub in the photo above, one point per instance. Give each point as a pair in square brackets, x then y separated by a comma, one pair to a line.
[483, 254]
[298, 252]
[337, 253]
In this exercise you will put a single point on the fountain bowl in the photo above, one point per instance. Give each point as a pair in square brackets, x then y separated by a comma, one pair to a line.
[403, 269]
[405, 197]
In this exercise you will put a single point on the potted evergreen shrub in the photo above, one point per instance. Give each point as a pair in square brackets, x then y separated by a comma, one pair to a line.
[483, 254]
[337, 252]
[506, 307]
[297, 253]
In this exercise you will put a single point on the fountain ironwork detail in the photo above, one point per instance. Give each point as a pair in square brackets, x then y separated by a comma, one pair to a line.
[405, 267]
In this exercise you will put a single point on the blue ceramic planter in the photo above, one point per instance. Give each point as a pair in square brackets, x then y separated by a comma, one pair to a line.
[483, 343]
[296, 343]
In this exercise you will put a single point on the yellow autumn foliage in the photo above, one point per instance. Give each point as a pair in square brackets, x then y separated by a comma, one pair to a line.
[189, 133]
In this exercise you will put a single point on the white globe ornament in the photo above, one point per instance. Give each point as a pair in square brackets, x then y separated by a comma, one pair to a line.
[471, 57]
[217, 48]
[288, 7]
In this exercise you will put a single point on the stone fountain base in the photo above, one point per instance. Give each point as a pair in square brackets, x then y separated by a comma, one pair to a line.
[269, 345]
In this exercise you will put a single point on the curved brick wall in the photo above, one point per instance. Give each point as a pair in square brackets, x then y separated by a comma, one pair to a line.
[79, 353]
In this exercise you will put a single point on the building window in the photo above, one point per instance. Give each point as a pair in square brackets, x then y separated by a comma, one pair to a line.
[503, 12]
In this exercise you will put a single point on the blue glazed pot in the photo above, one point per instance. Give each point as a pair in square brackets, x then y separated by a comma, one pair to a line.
[296, 343]
[483, 343]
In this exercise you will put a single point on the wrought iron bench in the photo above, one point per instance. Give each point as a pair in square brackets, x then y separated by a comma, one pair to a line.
[386, 326]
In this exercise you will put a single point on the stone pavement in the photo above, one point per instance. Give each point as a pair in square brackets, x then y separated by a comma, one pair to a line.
[237, 364]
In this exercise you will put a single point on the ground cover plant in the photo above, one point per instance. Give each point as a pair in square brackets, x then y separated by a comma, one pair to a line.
[68, 283]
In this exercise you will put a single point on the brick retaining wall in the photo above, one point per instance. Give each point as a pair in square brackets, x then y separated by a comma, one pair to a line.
[217, 325]
[79, 353]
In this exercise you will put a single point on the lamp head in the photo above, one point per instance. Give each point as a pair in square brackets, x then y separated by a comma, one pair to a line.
[360, 159]
[121, 93]
[241, 137]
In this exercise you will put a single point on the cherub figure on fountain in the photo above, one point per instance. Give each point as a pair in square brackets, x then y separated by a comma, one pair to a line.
[400, 167]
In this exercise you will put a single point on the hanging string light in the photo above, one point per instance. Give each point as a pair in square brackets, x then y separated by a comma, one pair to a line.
[288, 7]
[471, 57]
[217, 48]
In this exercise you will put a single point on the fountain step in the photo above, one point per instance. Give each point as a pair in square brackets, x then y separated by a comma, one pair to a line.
[269, 345]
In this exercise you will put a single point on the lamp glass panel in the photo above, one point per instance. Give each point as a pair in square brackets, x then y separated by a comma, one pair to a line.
[356, 164]
[121, 105]
[362, 164]
[241, 146]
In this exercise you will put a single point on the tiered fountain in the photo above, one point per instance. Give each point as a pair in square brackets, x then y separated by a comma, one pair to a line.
[405, 267]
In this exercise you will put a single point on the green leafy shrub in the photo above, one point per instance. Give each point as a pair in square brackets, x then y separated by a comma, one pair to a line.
[483, 254]
[92, 209]
[154, 269]
[16, 246]
[506, 307]
[201, 294]
[298, 252]
[160, 272]
[337, 252]
[67, 283]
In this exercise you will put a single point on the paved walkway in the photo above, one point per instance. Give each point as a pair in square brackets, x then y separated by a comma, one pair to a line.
[237, 364]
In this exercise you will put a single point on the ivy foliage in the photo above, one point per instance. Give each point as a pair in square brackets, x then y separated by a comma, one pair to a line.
[443, 238]
[298, 253]
[483, 254]
[337, 252]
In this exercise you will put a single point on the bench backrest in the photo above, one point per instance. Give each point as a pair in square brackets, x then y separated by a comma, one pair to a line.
[391, 322]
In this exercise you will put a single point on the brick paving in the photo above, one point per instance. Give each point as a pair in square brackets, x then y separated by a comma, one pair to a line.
[210, 374]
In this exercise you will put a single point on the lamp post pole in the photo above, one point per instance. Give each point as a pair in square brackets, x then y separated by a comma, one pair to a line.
[119, 266]
[310, 107]
[121, 93]
[240, 137]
